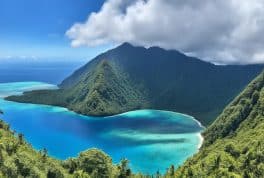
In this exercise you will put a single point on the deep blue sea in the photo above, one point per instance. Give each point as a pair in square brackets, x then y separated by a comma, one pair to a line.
[152, 140]
[49, 72]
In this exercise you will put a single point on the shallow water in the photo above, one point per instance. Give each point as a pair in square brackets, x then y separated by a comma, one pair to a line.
[152, 140]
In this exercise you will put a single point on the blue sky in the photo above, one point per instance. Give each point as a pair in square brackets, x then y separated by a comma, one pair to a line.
[221, 32]
[36, 28]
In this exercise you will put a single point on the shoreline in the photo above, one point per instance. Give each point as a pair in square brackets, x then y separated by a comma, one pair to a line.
[44, 85]
[201, 140]
[168, 111]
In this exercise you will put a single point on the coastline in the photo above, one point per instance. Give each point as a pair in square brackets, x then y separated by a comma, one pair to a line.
[47, 86]
[201, 140]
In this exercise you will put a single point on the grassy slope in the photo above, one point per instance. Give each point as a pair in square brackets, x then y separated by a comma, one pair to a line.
[234, 144]
[128, 78]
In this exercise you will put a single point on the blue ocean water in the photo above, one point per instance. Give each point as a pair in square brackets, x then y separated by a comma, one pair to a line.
[49, 72]
[152, 140]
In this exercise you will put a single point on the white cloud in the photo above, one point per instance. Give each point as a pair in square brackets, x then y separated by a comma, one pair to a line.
[220, 31]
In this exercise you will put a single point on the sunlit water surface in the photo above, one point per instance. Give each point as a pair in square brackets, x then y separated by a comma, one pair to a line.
[152, 140]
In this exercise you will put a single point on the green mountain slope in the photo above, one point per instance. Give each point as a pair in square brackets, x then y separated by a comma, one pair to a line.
[105, 91]
[128, 78]
[234, 144]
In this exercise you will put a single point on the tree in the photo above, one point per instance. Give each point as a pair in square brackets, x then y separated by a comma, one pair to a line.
[22, 167]
[44, 154]
[246, 174]
[21, 138]
[172, 171]
[71, 164]
[158, 174]
[1, 157]
[190, 172]
[11, 147]
[95, 162]
[53, 172]
[217, 162]
[232, 151]
[80, 174]
[124, 170]
[2, 124]
[255, 97]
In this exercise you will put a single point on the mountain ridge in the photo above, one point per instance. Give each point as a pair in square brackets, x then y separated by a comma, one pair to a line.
[158, 79]
[233, 145]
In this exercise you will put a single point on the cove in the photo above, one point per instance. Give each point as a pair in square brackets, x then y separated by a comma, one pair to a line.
[151, 139]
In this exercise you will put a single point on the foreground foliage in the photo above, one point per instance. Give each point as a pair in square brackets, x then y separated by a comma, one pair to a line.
[234, 143]
[128, 78]
[19, 159]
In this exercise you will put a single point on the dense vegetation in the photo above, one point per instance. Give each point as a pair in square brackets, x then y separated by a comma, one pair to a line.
[128, 78]
[103, 91]
[234, 144]
[19, 159]
[107, 90]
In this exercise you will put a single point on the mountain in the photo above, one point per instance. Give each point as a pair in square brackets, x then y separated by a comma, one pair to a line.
[106, 91]
[234, 144]
[129, 77]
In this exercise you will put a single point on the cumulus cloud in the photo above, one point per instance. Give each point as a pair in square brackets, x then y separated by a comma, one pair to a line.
[219, 31]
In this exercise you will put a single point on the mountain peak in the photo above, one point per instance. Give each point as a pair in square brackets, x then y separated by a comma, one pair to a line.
[126, 44]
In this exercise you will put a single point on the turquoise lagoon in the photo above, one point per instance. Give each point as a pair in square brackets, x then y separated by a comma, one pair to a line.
[152, 140]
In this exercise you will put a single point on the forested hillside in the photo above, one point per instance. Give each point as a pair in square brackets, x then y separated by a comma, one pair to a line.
[128, 78]
[234, 144]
